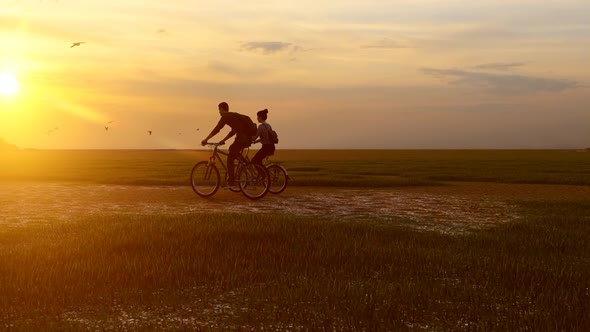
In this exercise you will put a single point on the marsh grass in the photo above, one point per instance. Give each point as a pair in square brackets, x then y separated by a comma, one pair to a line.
[359, 168]
[246, 271]
[283, 272]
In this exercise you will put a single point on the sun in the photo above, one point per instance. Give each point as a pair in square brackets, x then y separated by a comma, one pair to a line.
[8, 84]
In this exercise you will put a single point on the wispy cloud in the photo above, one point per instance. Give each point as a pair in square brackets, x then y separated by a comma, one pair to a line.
[503, 84]
[268, 47]
[232, 70]
[499, 65]
[386, 43]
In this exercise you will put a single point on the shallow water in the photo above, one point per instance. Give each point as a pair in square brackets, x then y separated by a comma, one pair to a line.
[24, 203]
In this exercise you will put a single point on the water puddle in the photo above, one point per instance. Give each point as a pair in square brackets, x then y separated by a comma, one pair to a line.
[23, 203]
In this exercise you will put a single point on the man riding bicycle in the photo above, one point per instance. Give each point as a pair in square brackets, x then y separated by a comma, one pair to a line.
[239, 127]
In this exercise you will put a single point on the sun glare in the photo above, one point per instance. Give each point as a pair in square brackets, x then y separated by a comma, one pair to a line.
[8, 84]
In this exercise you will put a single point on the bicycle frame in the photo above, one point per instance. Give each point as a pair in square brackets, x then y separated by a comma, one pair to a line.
[215, 155]
[253, 180]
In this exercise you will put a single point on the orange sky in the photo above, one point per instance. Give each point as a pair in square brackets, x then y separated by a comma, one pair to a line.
[334, 74]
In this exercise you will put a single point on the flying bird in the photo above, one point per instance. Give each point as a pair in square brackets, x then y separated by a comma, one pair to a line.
[52, 130]
[107, 127]
[149, 132]
[76, 44]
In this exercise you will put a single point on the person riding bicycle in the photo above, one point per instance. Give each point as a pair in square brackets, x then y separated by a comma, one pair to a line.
[263, 136]
[239, 128]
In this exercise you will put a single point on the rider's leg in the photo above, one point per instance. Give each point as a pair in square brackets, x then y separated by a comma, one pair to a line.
[234, 152]
[258, 156]
[265, 151]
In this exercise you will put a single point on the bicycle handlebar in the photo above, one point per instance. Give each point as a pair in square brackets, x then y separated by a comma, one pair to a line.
[214, 144]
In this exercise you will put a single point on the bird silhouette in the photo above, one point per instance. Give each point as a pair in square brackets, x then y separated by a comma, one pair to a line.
[51, 130]
[107, 125]
[197, 129]
[76, 44]
[149, 132]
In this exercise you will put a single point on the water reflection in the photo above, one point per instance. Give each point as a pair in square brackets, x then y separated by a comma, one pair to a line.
[45, 202]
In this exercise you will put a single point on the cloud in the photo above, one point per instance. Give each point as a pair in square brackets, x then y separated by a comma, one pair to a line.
[269, 47]
[228, 69]
[475, 106]
[386, 43]
[499, 65]
[502, 84]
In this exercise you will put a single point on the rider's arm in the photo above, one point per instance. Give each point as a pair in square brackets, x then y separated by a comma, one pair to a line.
[215, 130]
[257, 138]
[229, 135]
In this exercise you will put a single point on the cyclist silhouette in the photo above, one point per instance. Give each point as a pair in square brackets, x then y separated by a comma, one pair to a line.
[238, 128]
[263, 136]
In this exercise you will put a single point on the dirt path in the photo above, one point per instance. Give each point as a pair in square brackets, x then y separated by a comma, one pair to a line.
[454, 208]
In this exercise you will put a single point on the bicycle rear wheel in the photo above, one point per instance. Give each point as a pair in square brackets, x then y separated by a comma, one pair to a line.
[278, 178]
[254, 181]
[205, 179]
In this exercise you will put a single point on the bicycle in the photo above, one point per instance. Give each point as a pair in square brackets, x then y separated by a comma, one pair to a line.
[253, 179]
[279, 177]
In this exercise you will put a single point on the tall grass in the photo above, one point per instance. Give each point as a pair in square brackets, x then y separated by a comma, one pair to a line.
[241, 271]
[365, 168]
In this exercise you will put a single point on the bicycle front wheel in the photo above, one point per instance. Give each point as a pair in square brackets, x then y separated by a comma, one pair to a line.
[205, 179]
[278, 178]
[254, 181]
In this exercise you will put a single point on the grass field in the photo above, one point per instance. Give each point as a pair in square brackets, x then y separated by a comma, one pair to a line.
[364, 168]
[286, 272]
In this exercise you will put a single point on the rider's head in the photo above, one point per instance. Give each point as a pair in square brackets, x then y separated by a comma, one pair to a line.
[223, 107]
[262, 115]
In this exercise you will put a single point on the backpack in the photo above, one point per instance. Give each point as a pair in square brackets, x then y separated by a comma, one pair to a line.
[272, 135]
[248, 126]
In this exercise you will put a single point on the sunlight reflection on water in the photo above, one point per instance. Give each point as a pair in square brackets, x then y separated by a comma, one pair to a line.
[46, 202]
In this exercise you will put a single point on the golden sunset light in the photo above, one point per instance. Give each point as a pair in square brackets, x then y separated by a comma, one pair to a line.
[276, 165]
[424, 74]
[8, 84]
